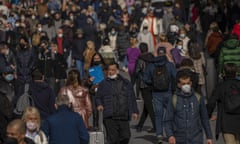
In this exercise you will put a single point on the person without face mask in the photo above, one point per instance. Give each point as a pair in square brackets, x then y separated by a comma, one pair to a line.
[17, 129]
[186, 114]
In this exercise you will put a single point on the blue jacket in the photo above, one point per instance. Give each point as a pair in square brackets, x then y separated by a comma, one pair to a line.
[65, 127]
[159, 61]
[187, 118]
[108, 91]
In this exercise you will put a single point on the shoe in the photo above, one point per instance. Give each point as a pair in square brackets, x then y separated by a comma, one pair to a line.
[160, 139]
[138, 128]
[151, 130]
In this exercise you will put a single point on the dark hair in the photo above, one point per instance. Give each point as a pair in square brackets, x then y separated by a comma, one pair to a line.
[183, 74]
[102, 60]
[143, 47]
[113, 63]
[106, 41]
[37, 75]
[230, 70]
[194, 50]
[73, 73]
[186, 62]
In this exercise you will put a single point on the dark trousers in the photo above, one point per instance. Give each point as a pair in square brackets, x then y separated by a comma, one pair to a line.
[118, 131]
[95, 112]
[147, 107]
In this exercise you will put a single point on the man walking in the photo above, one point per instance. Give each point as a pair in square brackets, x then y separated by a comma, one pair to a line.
[115, 97]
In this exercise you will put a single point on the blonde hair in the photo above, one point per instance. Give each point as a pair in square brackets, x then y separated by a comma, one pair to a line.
[163, 37]
[32, 111]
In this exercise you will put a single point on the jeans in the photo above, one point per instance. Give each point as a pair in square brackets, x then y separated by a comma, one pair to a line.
[160, 102]
[80, 65]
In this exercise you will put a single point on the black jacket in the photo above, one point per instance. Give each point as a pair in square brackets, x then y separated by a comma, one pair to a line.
[123, 42]
[46, 64]
[60, 66]
[25, 59]
[226, 123]
[43, 97]
[117, 97]
[78, 48]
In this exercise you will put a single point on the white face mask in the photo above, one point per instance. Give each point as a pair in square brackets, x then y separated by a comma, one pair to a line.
[179, 47]
[186, 88]
[182, 35]
[112, 76]
[60, 35]
[31, 125]
[33, 17]
[40, 29]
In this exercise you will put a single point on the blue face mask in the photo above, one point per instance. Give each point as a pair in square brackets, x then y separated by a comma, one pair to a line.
[9, 77]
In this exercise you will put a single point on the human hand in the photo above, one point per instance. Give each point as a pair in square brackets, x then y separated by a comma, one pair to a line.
[172, 140]
[91, 79]
[135, 116]
[100, 108]
[209, 141]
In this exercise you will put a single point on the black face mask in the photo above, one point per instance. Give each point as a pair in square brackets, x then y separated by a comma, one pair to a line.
[22, 46]
[97, 63]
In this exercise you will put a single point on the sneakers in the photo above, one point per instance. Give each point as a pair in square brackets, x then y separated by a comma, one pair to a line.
[151, 130]
[160, 139]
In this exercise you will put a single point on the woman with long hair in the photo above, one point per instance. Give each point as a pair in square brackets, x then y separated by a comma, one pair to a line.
[78, 95]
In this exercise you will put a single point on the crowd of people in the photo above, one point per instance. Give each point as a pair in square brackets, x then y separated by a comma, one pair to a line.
[179, 55]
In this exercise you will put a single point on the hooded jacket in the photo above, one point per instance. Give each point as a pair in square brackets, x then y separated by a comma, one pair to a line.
[43, 97]
[229, 53]
[160, 61]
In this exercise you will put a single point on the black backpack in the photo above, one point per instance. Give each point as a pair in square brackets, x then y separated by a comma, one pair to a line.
[232, 98]
[160, 79]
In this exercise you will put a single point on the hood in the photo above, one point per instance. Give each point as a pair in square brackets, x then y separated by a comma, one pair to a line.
[231, 43]
[160, 60]
[181, 94]
[39, 86]
[148, 57]
[216, 34]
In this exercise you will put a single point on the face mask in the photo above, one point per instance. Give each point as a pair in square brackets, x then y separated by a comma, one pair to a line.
[71, 17]
[40, 29]
[33, 17]
[31, 125]
[113, 32]
[22, 18]
[173, 28]
[179, 47]
[46, 15]
[7, 29]
[17, 24]
[97, 63]
[22, 45]
[112, 76]
[186, 88]
[60, 35]
[182, 35]
[9, 77]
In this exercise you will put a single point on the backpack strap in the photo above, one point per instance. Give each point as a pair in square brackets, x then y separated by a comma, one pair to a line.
[174, 99]
[198, 96]
[26, 88]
